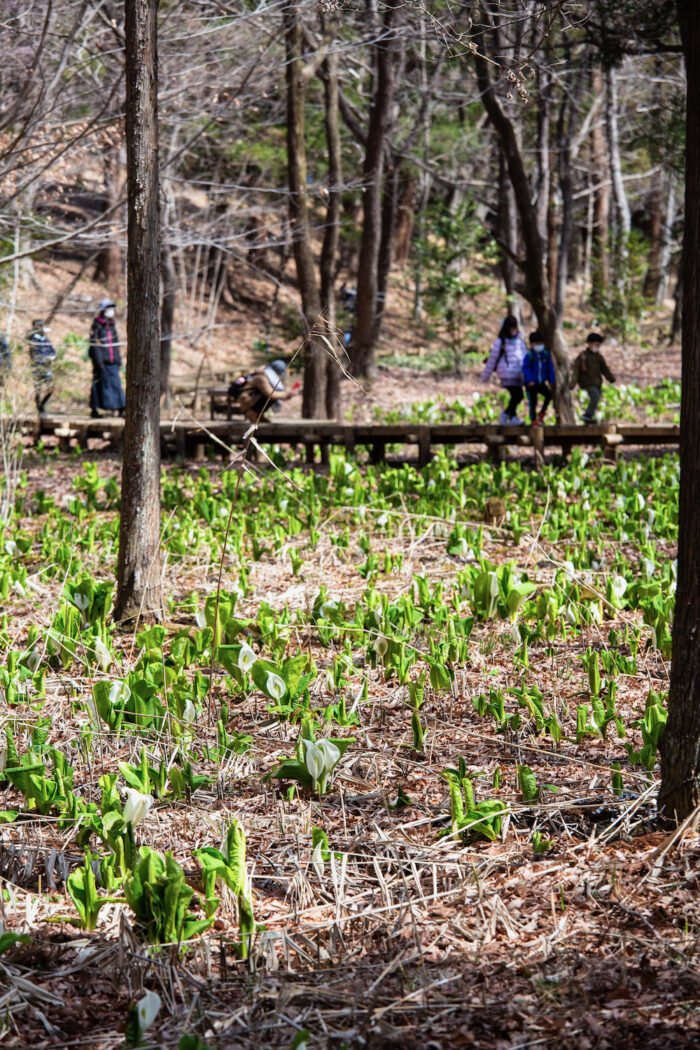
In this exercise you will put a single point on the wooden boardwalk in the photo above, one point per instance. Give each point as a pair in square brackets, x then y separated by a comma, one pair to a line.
[192, 438]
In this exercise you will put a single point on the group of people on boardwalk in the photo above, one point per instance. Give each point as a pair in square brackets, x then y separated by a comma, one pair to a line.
[519, 366]
[106, 391]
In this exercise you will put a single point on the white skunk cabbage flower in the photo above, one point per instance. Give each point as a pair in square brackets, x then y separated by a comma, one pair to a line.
[275, 686]
[380, 645]
[104, 657]
[119, 692]
[246, 657]
[136, 807]
[619, 586]
[190, 712]
[147, 1010]
[330, 752]
[314, 758]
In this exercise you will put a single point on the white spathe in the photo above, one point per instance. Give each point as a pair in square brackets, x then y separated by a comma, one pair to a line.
[136, 807]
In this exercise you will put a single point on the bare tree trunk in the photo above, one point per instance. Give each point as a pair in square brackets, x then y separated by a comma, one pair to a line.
[535, 288]
[390, 204]
[667, 241]
[507, 227]
[600, 251]
[331, 235]
[543, 147]
[167, 316]
[366, 329]
[653, 276]
[679, 794]
[108, 268]
[139, 569]
[314, 357]
[404, 219]
[566, 189]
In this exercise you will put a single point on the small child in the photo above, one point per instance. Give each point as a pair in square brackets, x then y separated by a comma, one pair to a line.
[41, 356]
[588, 372]
[506, 359]
[538, 376]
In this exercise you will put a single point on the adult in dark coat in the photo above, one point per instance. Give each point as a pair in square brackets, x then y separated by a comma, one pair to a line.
[106, 393]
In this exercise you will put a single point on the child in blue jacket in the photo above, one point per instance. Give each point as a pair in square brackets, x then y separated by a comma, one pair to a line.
[538, 376]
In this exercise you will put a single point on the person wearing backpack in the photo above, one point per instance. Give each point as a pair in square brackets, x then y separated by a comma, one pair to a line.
[261, 392]
[106, 392]
[588, 371]
[41, 358]
[538, 376]
[506, 359]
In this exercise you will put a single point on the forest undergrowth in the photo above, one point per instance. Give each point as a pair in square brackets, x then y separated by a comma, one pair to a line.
[385, 775]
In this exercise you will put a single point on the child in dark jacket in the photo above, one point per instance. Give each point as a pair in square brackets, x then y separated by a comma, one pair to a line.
[589, 369]
[538, 376]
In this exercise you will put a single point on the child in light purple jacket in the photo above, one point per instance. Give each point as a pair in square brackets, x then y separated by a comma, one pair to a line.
[506, 359]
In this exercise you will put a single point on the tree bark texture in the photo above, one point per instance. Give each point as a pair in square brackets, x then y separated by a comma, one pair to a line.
[139, 569]
[331, 236]
[167, 316]
[600, 252]
[536, 288]
[366, 329]
[108, 267]
[654, 274]
[679, 794]
[314, 357]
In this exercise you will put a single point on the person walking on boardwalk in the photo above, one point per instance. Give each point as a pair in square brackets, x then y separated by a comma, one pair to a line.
[538, 376]
[106, 392]
[41, 356]
[588, 371]
[506, 360]
[260, 392]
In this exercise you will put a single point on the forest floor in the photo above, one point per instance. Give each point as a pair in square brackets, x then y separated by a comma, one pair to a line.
[395, 937]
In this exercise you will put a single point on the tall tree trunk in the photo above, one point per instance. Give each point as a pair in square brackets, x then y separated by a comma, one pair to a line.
[390, 204]
[566, 188]
[331, 235]
[535, 288]
[507, 220]
[599, 249]
[108, 268]
[623, 222]
[314, 357]
[405, 218]
[667, 240]
[139, 568]
[679, 794]
[653, 276]
[366, 331]
[167, 316]
[543, 158]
